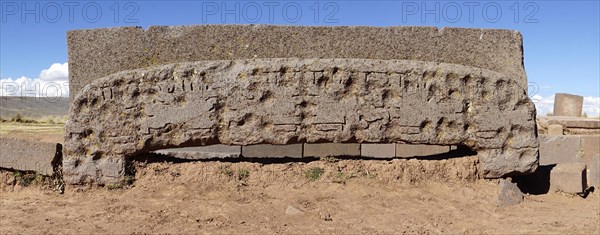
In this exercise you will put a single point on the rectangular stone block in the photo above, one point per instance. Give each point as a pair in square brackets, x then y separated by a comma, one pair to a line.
[419, 150]
[331, 149]
[378, 150]
[272, 151]
[590, 146]
[555, 129]
[204, 152]
[560, 149]
[26, 155]
[572, 122]
[593, 172]
[567, 105]
[568, 177]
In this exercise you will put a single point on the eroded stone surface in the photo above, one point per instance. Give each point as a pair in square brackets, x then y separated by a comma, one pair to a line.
[285, 101]
[96, 53]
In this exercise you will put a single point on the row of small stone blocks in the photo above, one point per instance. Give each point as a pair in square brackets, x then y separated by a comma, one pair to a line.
[308, 150]
[574, 161]
[27, 155]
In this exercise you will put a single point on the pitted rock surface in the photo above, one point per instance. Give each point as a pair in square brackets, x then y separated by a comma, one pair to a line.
[96, 53]
[285, 101]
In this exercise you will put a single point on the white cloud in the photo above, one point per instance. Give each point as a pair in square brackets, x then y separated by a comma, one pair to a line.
[591, 106]
[52, 82]
[56, 72]
[545, 105]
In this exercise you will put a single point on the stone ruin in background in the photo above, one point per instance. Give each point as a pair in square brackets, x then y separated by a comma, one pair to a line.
[135, 91]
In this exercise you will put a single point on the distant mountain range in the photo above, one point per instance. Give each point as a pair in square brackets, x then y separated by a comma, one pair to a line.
[33, 106]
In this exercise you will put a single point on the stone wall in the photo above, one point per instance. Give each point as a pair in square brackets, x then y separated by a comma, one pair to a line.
[135, 90]
[287, 101]
[96, 53]
[27, 155]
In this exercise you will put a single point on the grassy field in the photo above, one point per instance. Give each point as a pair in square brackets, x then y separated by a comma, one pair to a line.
[12, 128]
[40, 119]
[46, 132]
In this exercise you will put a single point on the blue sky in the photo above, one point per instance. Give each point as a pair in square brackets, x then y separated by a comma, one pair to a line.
[561, 38]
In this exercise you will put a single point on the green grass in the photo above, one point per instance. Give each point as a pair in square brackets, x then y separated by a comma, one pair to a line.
[19, 118]
[342, 178]
[7, 128]
[115, 186]
[226, 170]
[243, 174]
[26, 179]
[314, 173]
[19, 124]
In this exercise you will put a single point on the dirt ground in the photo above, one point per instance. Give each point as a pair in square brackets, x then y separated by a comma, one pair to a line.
[325, 196]
[352, 196]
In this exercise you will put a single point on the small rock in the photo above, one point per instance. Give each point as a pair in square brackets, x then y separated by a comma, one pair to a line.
[325, 216]
[10, 180]
[509, 194]
[293, 211]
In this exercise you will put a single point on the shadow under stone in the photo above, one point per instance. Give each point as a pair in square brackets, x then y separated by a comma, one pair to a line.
[461, 151]
[154, 157]
[536, 183]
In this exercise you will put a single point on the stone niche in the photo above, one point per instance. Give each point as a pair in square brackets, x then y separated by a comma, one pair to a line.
[474, 97]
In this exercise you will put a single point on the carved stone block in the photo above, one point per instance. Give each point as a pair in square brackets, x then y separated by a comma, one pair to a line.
[288, 101]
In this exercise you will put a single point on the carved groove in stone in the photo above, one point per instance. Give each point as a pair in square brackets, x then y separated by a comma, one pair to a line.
[283, 101]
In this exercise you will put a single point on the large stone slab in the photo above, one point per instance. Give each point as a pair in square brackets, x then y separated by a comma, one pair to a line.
[568, 177]
[593, 172]
[205, 152]
[574, 122]
[97, 53]
[378, 150]
[560, 149]
[571, 125]
[286, 101]
[568, 105]
[331, 150]
[590, 147]
[272, 151]
[26, 155]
